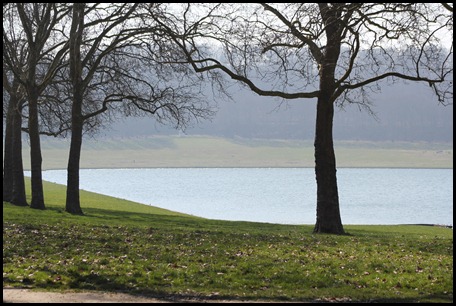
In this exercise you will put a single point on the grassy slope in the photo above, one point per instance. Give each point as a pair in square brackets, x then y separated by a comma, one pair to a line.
[194, 151]
[123, 246]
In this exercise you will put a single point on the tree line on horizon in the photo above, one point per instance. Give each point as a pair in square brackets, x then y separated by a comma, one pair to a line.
[402, 113]
[71, 68]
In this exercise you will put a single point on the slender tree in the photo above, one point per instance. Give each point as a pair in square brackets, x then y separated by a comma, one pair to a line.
[13, 100]
[331, 53]
[109, 72]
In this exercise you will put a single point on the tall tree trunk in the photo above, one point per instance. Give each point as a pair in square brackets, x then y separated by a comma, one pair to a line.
[13, 175]
[328, 214]
[8, 154]
[73, 204]
[35, 151]
[19, 196]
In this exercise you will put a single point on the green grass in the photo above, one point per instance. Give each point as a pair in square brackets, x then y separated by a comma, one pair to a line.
[128, 247]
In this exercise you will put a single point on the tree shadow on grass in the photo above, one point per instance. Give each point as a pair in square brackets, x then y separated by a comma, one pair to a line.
[111, 283]
[108, 283]
[189, 222]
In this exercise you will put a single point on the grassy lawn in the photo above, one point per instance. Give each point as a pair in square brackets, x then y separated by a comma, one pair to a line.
[124, 246]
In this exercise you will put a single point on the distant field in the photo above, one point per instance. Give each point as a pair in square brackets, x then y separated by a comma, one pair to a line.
[202, 151]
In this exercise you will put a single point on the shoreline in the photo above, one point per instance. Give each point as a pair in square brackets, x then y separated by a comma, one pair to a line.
[241, 167]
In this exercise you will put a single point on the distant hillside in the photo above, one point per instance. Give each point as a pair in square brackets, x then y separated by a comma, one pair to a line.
[209, 151]
[403, 113]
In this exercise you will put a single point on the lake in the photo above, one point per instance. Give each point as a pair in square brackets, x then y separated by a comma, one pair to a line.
[279, 195]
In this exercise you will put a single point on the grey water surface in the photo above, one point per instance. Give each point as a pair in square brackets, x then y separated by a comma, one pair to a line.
[280, 195]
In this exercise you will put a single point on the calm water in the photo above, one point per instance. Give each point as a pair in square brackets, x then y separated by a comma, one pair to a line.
[279, 195]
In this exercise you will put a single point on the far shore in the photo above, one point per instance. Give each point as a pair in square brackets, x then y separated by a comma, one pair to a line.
[214, 152]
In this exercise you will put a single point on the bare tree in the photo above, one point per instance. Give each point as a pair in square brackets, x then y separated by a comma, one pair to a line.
[13, 99]
[33, 24]
[10, 107]
[331, 53]
[109, 72]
